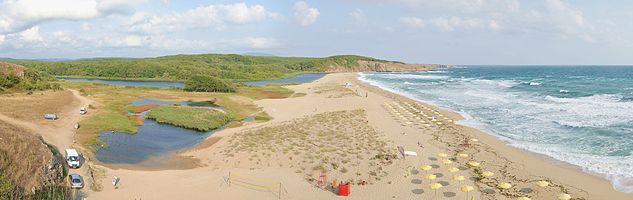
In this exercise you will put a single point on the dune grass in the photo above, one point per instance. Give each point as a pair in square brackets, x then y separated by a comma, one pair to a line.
[200, 119]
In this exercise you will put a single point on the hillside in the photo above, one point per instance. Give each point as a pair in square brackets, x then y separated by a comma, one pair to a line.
[225, 66]
[27, 164]
[18, 77]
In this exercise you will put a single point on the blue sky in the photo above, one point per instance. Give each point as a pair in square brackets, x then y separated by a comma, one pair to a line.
[415, 31]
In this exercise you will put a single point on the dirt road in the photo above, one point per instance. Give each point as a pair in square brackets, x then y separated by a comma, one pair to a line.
[59, 133]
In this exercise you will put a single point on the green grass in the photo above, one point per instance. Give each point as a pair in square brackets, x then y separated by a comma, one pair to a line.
[200, 119]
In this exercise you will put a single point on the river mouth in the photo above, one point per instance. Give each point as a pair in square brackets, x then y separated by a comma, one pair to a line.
[153, 143]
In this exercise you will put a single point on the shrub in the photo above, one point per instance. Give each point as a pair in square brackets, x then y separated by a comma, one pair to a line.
[200, 83]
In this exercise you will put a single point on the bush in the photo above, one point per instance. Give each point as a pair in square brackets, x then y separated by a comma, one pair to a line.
[6, 188]
[200, 83]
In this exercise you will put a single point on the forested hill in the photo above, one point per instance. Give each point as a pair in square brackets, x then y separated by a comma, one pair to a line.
[18, 77]
[224, 66]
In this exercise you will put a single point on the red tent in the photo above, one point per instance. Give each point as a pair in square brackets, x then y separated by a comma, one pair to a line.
[343, 189]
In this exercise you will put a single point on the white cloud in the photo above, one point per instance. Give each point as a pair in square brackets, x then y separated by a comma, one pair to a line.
[2, 37]
[262, 42]
[19, 15]
[466, 6]
[215, 16]
[305, 14]
[358, 15]
[412, 22]
[124, 6]
[125, 41]
[31, 35]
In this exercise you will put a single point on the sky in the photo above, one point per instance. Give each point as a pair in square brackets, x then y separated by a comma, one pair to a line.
[522, 32]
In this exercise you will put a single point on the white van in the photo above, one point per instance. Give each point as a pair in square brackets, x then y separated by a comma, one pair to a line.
[72, 157]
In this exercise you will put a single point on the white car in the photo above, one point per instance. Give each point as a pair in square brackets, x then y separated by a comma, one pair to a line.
[83, 111]
[72, 158]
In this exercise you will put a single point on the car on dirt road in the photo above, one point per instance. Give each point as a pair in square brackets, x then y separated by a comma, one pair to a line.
[76, 182]
[51, 116]
[73, 158]
[83, 111]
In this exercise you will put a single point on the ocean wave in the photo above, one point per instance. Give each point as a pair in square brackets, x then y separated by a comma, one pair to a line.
[563, 91]
[596, 111]
[615, 169]
[535, 83]
[410, 76]
[502, 83]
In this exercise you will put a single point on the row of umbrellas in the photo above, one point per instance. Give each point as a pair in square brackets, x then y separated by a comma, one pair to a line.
[467, 188]
[408, 113]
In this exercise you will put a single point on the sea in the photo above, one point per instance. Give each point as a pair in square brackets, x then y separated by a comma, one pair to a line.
[581, 115]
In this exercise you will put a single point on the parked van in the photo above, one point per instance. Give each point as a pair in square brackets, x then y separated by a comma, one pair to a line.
[72, 157]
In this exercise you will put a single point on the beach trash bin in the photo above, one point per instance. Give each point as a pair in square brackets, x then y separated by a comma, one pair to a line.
[343, 189]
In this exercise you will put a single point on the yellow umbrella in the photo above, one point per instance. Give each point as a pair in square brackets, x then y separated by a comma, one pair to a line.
[487, 173]
[458, 178]
[467, 189]
[430, 176]
[542, 183]
[435, 186]
[473, 164]
[524, 198]
[426, 167]
[452, 169]
[463, 155]
[443, 155]
[563, 196]
[504, 185]
[447, 162]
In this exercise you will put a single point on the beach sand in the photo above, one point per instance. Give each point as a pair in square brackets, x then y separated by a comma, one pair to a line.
[352, 133]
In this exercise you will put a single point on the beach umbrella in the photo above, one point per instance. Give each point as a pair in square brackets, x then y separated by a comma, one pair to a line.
[443, 155]
[524, 198]
[435, 186]
[459, 178]
[542, 183]
[463, 155]
[473, 164]
[452, 169]
[504, 185]
[467, 189]
[426, 167]
[563, 196]
[447, 161]
[487, 173]
[430, 177]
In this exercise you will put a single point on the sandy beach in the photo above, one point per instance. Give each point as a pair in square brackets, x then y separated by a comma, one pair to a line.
[308, 134]
[341, 131]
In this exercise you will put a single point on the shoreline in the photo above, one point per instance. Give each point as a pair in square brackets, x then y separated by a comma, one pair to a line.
[557, 165]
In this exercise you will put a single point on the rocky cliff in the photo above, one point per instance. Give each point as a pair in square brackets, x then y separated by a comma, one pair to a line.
[381, 66]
